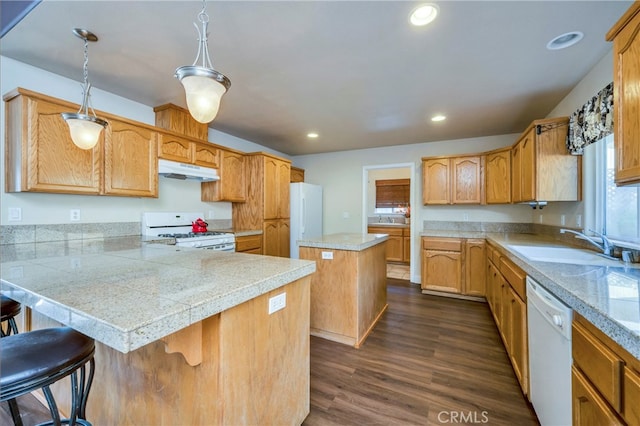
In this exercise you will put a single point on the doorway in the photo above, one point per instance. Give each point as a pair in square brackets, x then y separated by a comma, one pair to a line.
[371, 215]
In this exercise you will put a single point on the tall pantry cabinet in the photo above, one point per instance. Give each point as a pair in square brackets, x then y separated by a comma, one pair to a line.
[267, 202]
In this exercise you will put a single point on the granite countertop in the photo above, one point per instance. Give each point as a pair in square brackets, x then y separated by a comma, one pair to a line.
[126, 293]
[349, 242]
[607, 294]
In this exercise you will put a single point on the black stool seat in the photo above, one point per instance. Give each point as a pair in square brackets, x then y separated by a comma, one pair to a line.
[39, 358]
[9, 308]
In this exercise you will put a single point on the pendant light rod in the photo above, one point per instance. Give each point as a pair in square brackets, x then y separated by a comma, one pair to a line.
[203, 47]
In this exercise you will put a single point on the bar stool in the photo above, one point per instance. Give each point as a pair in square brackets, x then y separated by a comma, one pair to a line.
[36, 359]
[8, 311]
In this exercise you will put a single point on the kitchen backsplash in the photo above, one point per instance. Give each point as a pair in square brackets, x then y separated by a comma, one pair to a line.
[521, 228]
[17, 234]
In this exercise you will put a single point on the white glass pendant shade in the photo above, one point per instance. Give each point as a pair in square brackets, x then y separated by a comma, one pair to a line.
[203, 97]
[84, 133]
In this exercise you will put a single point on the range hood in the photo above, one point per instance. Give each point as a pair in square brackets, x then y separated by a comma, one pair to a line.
[182, 171]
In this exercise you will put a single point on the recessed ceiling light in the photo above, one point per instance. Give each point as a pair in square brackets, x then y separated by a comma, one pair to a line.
[423, 14]
[565, 40]
[438, 117]
[312, 135]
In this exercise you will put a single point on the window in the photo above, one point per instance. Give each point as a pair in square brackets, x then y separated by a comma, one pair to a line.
[392, 195]
[616, 207]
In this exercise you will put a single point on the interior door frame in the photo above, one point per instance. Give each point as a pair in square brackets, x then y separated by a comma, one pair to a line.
[414, 259]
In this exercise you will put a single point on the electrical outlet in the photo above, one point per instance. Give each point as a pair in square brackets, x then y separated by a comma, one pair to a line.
[540, 218]
[15, 214]
[465, 217]
[562, 220]
[578, 221]
[74, 215]
[345, 215]
[327, 255]
[277, 303]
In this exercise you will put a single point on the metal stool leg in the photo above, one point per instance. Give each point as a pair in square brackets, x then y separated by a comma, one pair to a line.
[15, 412]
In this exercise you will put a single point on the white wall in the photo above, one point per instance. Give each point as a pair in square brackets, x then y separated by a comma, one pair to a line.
[54, 208]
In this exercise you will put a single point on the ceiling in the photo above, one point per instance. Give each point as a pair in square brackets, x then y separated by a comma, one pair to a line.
[355, 72]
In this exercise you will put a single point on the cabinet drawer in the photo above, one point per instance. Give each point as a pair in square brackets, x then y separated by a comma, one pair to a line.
[631, 404]
[250, 242]
[446, 244]
[385, 230]
[515, 276]
[601, 366]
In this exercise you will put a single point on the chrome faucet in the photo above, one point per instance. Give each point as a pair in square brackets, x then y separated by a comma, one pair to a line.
[606, 246]
[389, 219]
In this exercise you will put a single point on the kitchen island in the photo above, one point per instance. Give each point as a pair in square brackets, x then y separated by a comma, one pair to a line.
[183, 336]
[349, 290]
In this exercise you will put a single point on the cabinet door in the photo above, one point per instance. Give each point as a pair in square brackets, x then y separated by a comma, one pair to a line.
[528, 166]
[271, 238]
[498, 178]
[465, 179]
[442, 271]
[626, 71]
[518, 339]
[271, 190]
[207, 155]
[516, 173]
[631, 403]
[436, 181]
[475, 258]
[588, 406]
[406, 252]
[40, 155]
[284, 177]
[394, 248]
[297, 175]
[492, 284]
[232, 184]
[176, 149]
[131, 160]
[284, 230]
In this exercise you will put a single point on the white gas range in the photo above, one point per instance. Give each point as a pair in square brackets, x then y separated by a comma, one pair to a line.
[178, 225]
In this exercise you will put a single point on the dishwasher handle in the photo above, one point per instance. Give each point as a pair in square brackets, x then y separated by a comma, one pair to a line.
[552, 310]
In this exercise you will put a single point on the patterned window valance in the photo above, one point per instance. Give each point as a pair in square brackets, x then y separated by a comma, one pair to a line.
[592, 122]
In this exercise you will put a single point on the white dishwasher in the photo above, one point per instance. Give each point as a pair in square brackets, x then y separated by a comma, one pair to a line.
[549, 328]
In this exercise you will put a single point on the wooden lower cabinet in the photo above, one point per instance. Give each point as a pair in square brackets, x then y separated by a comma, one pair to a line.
[453, 265]
[249, 244]
[398, 244]
[276, 240]
[588, 406]
[605, 378]
[507, 300]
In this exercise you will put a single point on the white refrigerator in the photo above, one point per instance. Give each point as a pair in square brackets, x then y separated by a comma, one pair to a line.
[306, 214]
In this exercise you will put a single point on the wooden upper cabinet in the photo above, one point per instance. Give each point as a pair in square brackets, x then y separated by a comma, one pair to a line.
[131, 160]
[179, 120]
[455, 180]
[232, 184]
[466, 180]
[436, 181]
[277, 175]
[498, 177]
[625, 35]
[297, 175]
[541, 167]
[40, 155]
[171, 147]
[207, 155]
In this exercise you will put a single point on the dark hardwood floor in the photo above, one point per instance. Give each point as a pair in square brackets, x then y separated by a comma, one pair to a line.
[429, 361]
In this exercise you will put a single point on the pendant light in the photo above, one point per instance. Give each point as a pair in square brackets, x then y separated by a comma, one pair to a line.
[203, 85]
[85, 128]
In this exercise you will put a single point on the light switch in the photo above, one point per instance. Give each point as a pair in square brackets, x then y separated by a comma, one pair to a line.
[15, 214]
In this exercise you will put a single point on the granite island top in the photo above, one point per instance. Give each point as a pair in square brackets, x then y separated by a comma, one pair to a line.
[126, 293]
[607, 294]
[346, 241]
